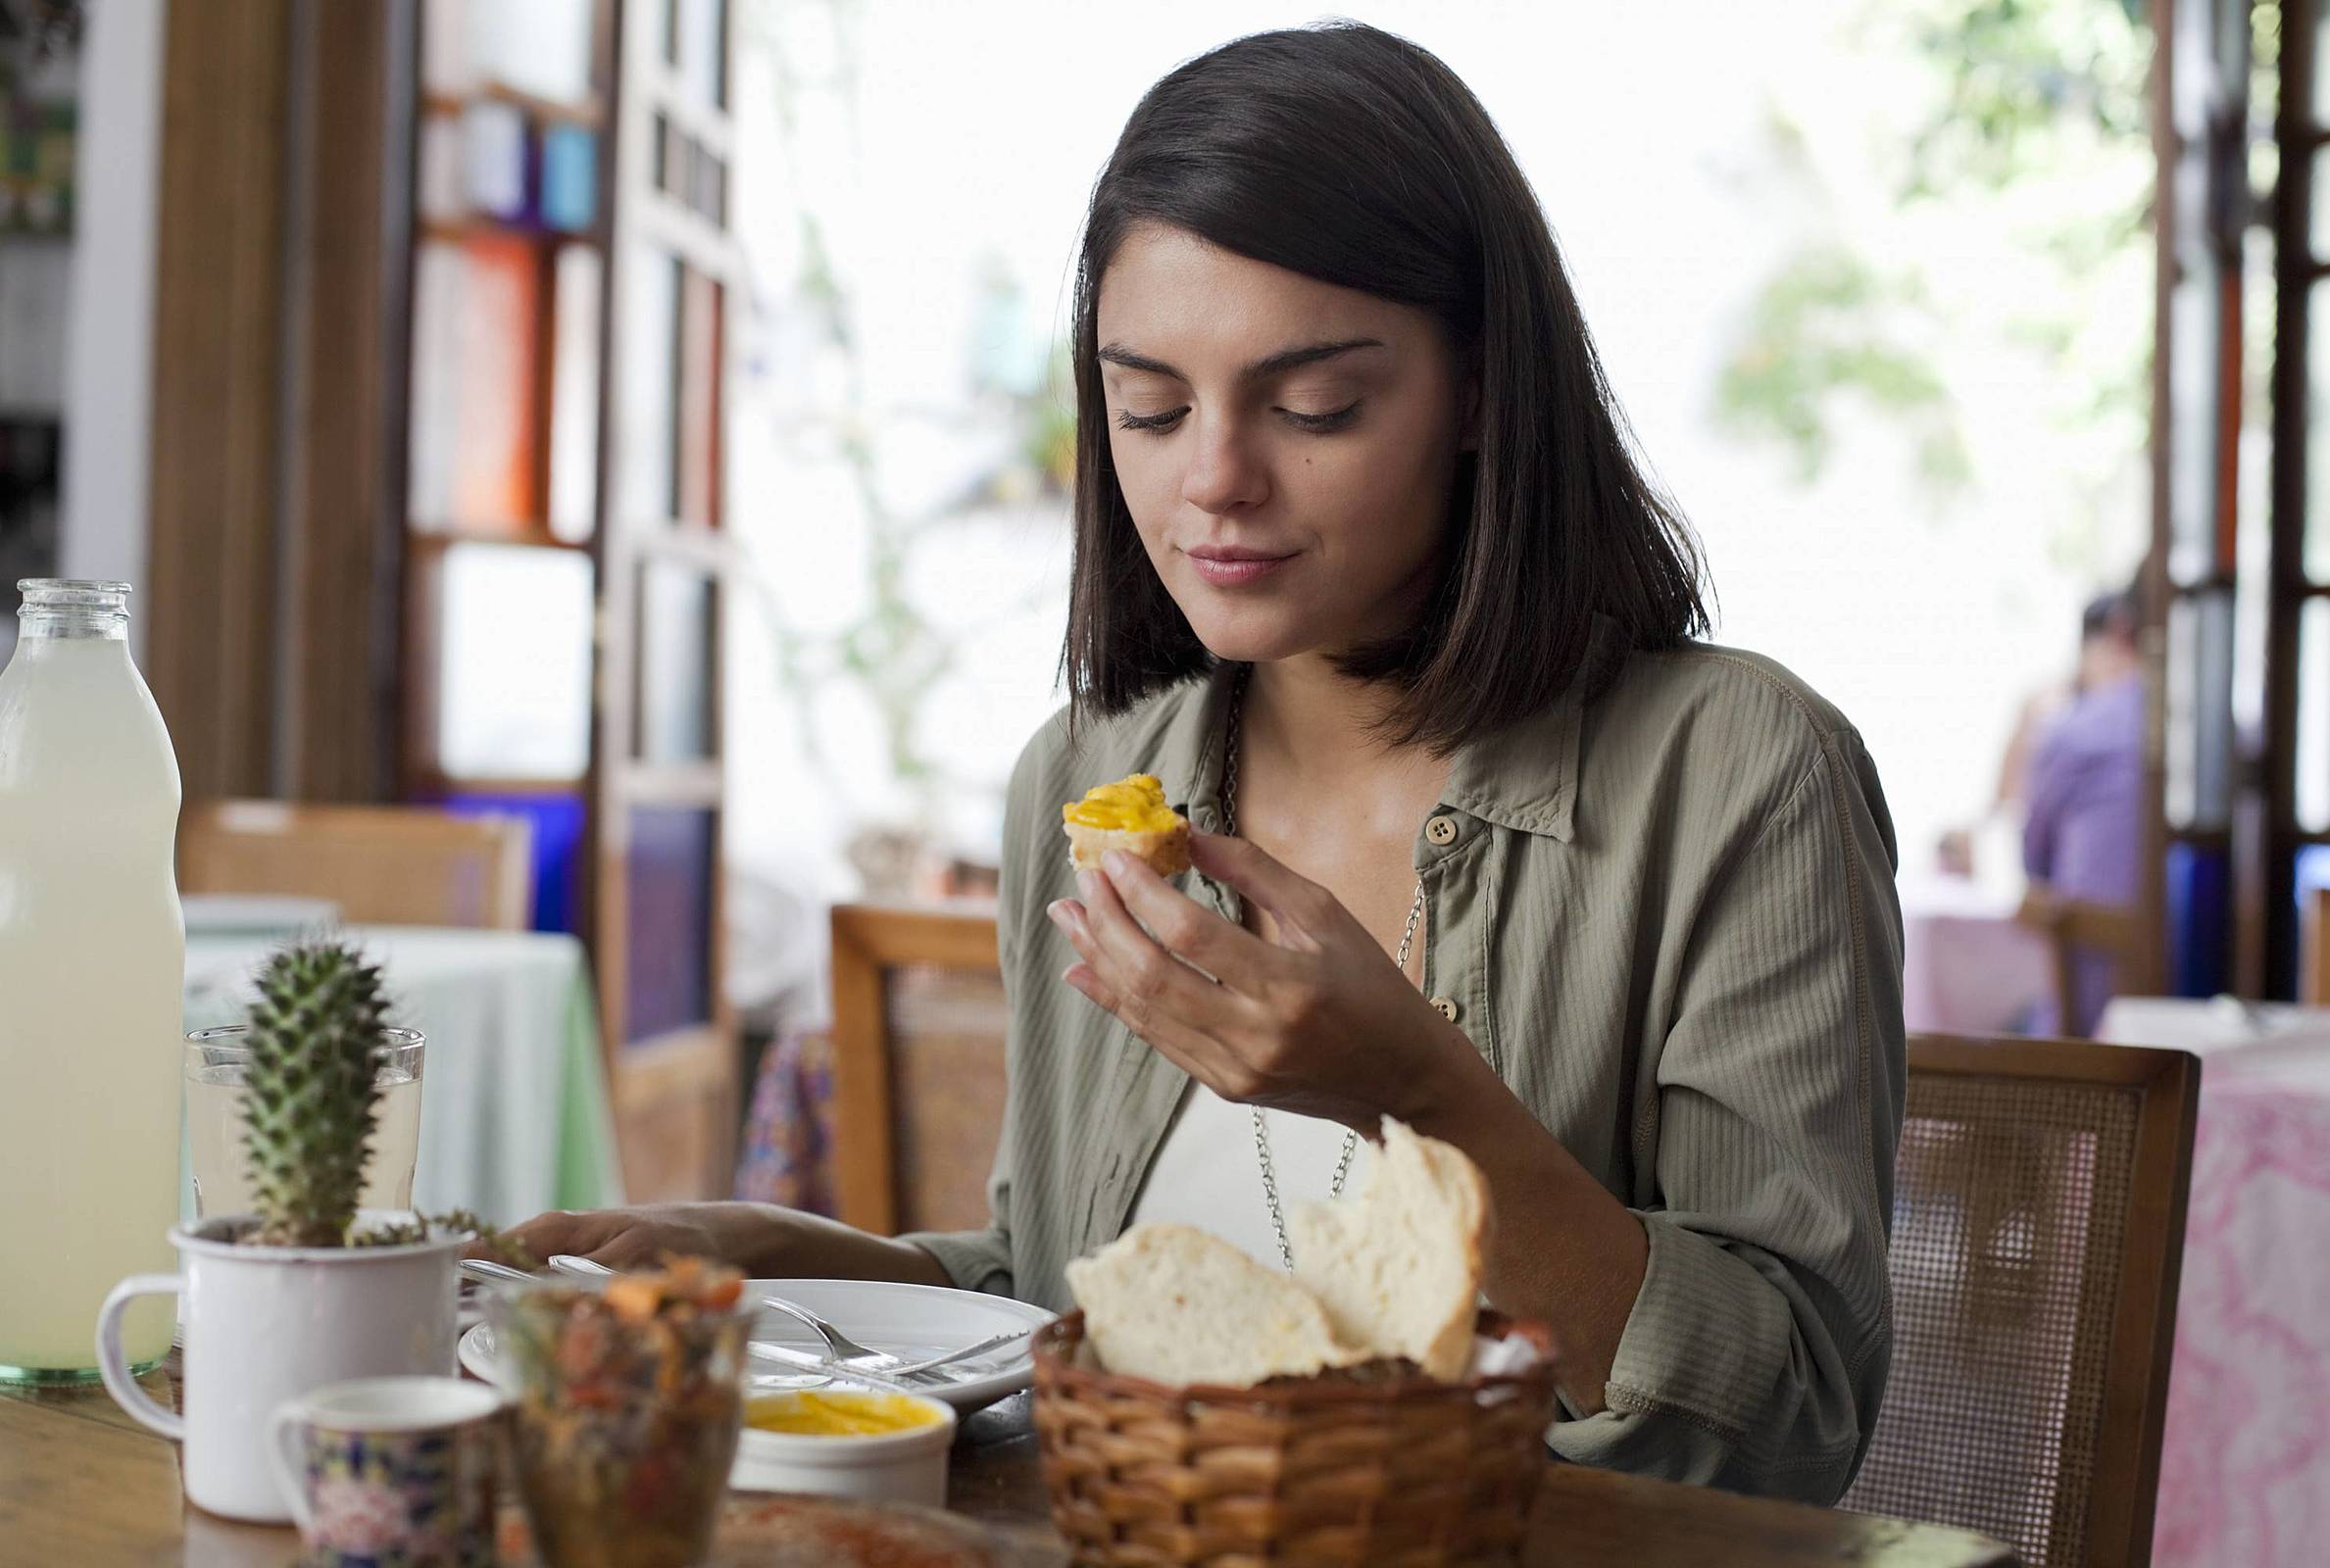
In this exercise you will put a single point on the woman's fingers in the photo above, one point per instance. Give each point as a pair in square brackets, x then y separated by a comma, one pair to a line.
[1186, 928]
[1204, 1059]
[1303, 911]
[544, 1236]
[1162, 1000]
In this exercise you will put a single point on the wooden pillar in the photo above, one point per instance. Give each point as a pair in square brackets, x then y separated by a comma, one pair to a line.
[279, 394]
[218, 299]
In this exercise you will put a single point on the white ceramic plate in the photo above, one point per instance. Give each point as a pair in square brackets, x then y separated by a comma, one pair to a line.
[908, 1320]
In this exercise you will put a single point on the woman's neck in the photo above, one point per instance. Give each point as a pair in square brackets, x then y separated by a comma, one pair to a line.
[1304, 718]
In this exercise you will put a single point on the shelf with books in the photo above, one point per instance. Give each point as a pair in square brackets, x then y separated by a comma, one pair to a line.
[504, 425]
[574, 290]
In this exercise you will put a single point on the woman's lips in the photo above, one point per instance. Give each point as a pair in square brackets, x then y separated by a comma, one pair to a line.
[1235, 569]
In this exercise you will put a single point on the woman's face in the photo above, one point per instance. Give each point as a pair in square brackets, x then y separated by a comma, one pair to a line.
[1286, 447]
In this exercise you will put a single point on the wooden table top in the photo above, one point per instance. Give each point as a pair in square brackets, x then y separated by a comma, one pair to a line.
[82, 1482]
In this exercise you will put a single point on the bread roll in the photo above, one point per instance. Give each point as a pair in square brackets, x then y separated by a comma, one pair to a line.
[1178, 1306]
[1398, 1267]
[1392, 1272]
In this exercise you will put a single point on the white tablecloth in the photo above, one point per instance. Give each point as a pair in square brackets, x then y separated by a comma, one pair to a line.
[2244, 1462]
[514, 1108]
[1967, 969]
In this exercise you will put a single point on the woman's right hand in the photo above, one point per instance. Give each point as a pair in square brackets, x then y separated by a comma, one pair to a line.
[763, 1239]
[744, 1235]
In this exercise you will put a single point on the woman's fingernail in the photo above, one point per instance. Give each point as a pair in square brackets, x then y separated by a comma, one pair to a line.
[1088, 884]
[1058, 911]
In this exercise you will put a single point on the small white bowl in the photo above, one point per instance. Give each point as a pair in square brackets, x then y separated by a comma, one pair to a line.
[909, 1467]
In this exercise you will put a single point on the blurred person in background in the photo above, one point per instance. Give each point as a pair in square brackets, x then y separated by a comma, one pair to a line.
[2082, 833]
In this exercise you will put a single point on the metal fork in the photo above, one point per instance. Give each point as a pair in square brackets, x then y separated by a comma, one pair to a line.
[841, 1351]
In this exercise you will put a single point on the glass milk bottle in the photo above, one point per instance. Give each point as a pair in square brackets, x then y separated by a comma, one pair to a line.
[92, 965]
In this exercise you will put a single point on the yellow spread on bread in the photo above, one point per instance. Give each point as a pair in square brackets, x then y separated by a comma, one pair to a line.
[1135, 805]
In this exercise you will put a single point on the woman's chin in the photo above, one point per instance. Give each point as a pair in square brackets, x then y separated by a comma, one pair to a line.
[1243, 642]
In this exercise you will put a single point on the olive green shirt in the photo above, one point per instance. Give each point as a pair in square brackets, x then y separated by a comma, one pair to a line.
[1666, 917]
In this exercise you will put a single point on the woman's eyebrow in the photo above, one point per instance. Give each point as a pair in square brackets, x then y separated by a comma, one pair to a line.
[1276, 364]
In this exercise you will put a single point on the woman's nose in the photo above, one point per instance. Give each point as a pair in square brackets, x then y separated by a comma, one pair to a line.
[1225, 475]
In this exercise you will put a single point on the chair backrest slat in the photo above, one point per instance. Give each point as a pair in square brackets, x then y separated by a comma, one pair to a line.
[918, 1031]
[381, 865]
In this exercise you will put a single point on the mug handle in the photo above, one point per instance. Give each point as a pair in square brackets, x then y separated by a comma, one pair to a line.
[112, 1364]
[282, 1439]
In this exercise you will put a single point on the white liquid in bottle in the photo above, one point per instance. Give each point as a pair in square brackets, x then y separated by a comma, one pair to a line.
[92, 967]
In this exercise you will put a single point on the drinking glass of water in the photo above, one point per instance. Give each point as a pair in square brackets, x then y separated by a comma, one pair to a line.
[216, 1062]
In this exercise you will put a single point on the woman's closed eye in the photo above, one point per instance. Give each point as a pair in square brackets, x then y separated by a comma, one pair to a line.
[1325, 424]
[1322, 424]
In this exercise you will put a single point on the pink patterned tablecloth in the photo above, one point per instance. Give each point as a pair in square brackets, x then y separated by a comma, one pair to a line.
[2245, 1470]
[2245, 1465]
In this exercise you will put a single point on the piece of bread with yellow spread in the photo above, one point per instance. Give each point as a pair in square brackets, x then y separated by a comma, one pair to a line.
[1130, 815]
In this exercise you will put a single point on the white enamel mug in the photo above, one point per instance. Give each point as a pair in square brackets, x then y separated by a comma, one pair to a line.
[267, 1324]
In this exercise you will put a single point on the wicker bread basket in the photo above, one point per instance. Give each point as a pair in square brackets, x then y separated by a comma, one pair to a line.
[1406, 1472]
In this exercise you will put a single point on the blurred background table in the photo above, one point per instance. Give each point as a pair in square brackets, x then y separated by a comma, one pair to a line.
[513, 1103]
[1967, 967]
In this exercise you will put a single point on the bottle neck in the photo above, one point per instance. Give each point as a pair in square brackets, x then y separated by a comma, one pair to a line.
[34, 627]
[59, 611]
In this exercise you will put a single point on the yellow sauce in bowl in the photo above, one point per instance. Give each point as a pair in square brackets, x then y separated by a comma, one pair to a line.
[1135, 805]
[837, 1413]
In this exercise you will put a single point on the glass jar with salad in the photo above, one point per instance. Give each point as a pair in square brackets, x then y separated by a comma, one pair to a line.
[628, 1398]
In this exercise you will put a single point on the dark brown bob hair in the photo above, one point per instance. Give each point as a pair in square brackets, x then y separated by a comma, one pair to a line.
[1350, 154]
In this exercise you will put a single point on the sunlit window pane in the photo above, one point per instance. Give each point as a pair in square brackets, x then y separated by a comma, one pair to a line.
[514, 680]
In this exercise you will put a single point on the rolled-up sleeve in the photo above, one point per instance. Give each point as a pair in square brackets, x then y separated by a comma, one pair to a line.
[1756, 1349]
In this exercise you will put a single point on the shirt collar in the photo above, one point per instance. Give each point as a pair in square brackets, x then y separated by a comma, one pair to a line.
[1523, 776]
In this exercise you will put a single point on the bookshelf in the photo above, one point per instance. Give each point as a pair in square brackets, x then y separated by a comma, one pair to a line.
[563, 552]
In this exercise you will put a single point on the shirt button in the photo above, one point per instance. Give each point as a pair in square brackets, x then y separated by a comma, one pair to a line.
[1441, 830]
[1445, 1007]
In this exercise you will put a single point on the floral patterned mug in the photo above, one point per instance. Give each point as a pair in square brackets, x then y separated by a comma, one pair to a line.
[391, 1472]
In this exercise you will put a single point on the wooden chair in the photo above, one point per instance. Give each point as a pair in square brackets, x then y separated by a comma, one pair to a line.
[2074, 927]
[2039, 1208]
[381, 865]
[918, 1028]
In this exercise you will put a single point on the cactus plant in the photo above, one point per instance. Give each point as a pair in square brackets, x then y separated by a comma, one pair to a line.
[310, 1092]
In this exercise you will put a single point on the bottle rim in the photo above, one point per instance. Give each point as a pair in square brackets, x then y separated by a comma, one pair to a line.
[71, 593]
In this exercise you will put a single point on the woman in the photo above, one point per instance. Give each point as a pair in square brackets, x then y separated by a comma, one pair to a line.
[1364, 572]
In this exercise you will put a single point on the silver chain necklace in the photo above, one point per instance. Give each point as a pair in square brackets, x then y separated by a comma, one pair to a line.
[1416, 912]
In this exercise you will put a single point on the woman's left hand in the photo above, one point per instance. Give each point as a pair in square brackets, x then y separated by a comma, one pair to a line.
[1319, 1021]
